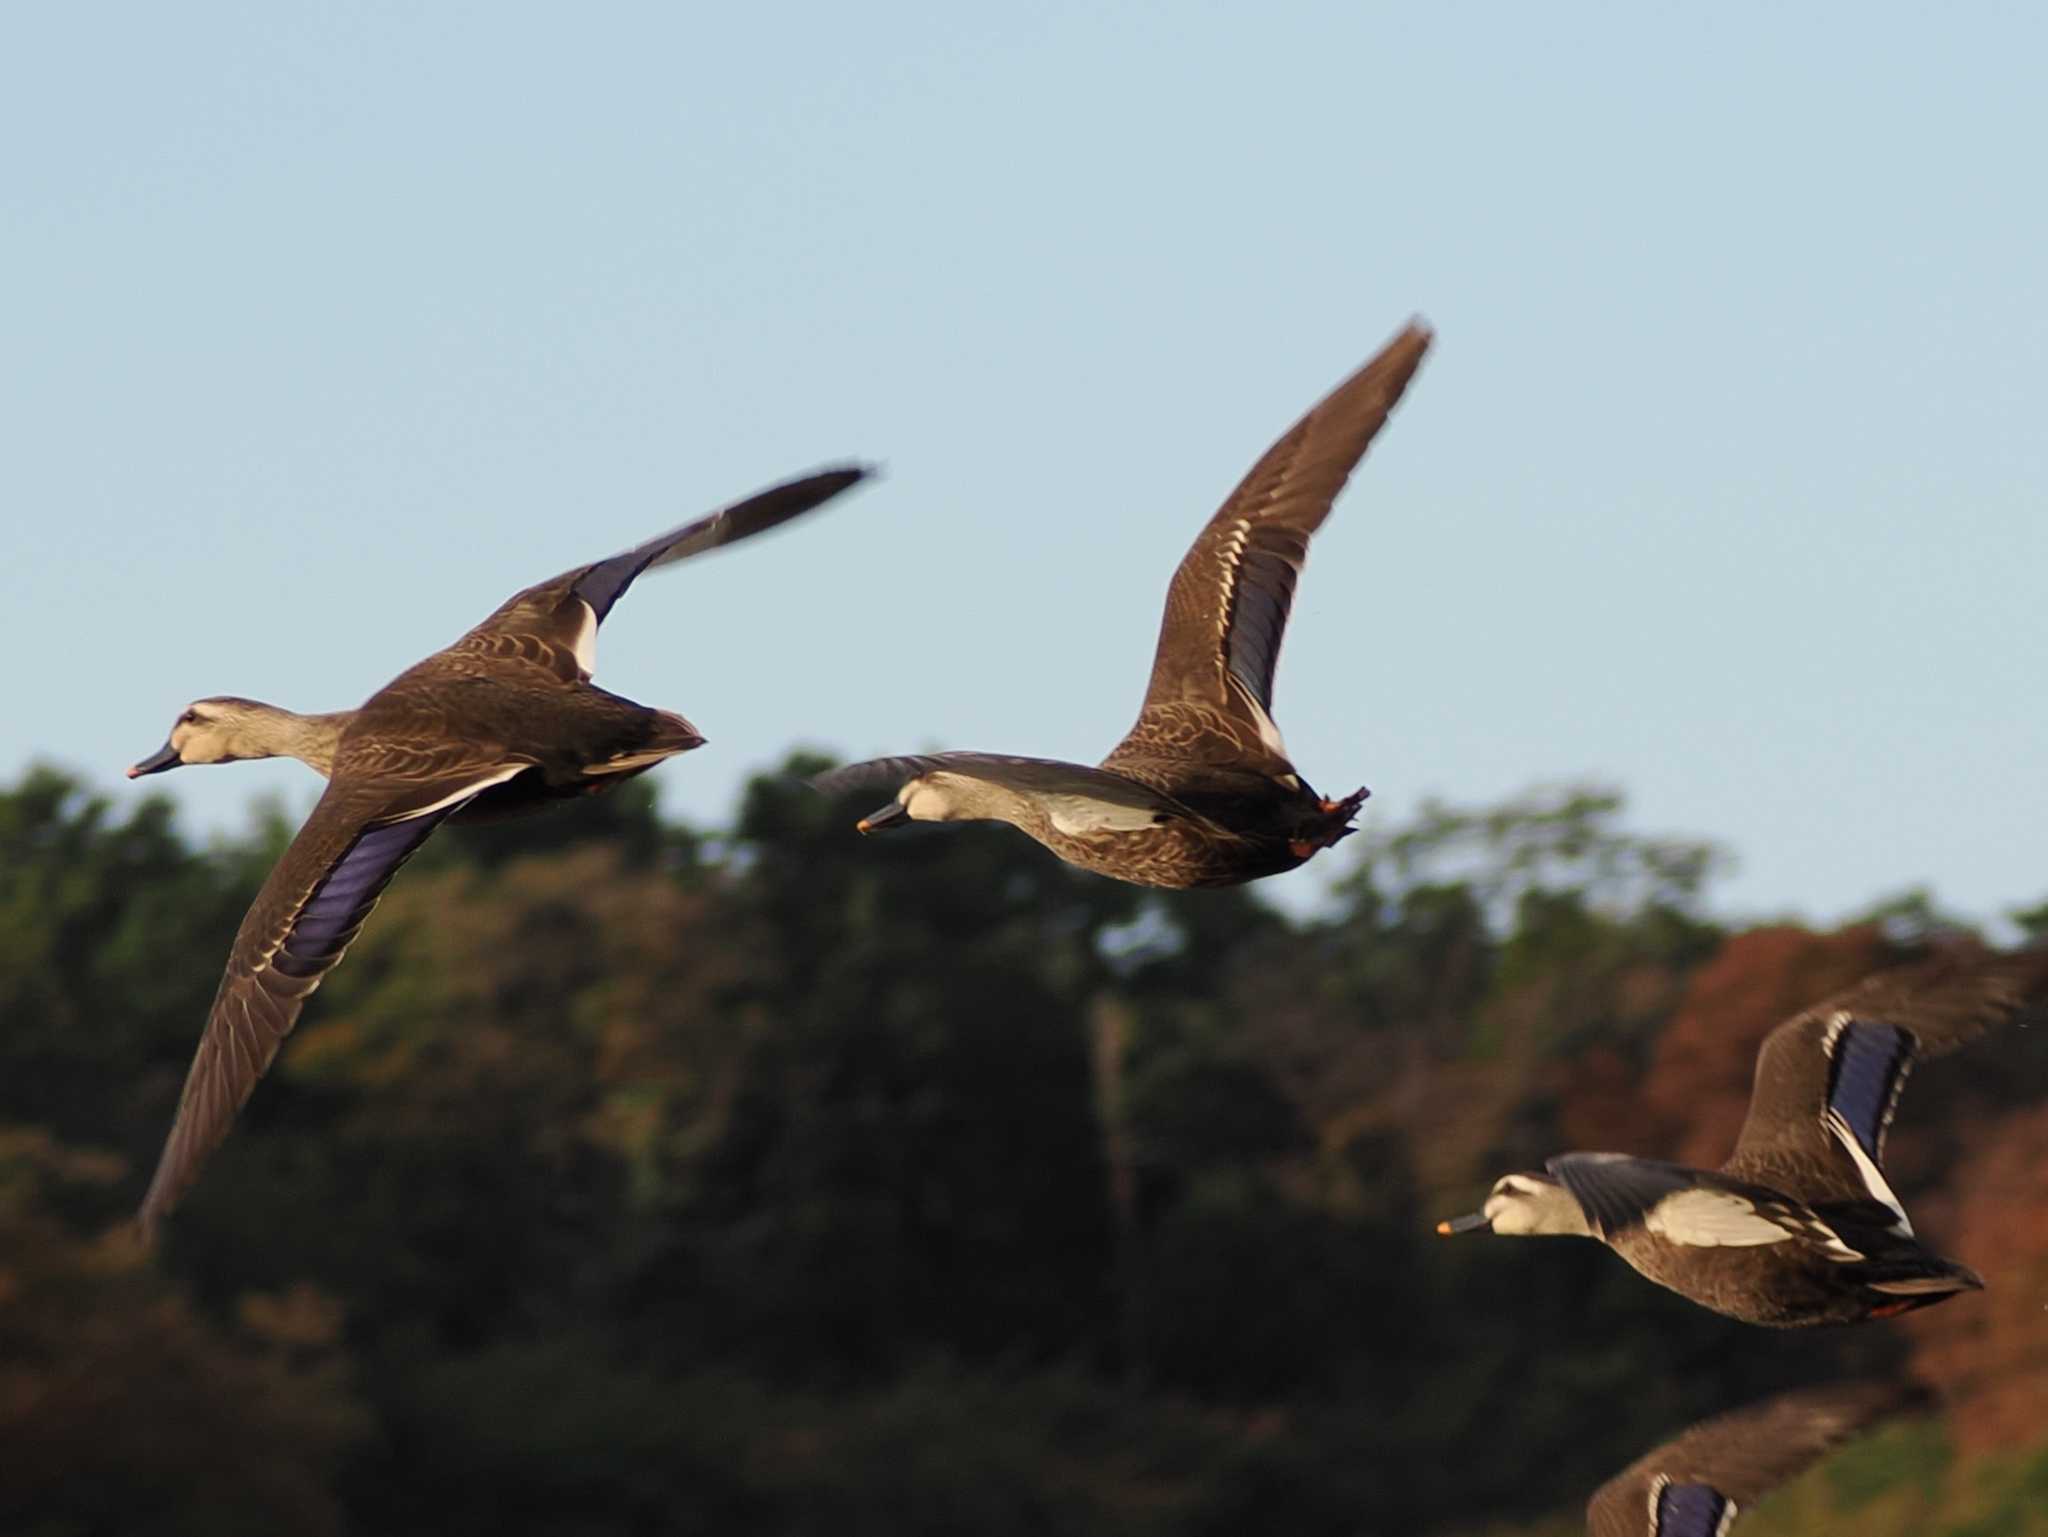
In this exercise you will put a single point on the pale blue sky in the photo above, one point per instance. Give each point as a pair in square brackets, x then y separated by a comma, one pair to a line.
[326, 328]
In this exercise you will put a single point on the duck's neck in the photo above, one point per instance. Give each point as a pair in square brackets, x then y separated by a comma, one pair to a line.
[279, 733]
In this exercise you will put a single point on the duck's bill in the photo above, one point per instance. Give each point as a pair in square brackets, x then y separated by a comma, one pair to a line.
[1474, 1222]
[891, 815]
[165, 757]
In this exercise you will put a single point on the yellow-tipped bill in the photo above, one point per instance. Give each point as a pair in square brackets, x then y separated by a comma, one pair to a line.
[879, 821]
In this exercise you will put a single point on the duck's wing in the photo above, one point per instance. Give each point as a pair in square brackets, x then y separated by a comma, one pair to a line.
[305, 916]
[1828, 1079]
[1227, 607]
[1696, 1484]
[555, 622]
[1077, 798]
[1693, 1207]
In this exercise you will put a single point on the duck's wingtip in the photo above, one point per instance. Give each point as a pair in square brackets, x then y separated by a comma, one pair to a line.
[848, 472]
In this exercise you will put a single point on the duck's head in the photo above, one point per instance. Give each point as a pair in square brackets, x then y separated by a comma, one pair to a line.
[1525, 1205]
[927, 798]
[217, 730]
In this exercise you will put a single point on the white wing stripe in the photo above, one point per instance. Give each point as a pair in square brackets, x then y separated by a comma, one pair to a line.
[1712, 1219]
[586, 639]
[1269, 733]
[1872, 1176]
[1077, 815]
[499, 776]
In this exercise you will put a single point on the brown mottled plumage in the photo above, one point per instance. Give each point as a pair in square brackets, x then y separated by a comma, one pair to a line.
[504, 720]
[1697, 1484]
[1201, 791]
[1799, 1226]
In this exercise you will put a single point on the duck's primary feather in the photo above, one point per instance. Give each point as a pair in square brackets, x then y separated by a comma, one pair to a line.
[554, 623]
[1228, 604]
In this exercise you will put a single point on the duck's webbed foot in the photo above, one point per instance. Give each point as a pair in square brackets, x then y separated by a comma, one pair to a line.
[1333, 825]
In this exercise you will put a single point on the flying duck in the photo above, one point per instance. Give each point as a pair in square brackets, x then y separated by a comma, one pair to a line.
[503, 721]
[1698, 1483]
[1201, 792]
[1799, 1226]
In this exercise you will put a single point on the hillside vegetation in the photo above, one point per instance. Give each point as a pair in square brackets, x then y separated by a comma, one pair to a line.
[638, 1178]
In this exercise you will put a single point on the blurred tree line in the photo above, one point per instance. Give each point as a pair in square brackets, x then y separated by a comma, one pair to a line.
[633, 1178]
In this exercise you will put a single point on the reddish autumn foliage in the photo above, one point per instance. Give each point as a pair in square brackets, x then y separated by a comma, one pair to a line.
[1699, 1078]
[1991, 1357]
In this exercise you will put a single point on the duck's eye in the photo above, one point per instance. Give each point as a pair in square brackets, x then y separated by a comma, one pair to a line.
[189, 718]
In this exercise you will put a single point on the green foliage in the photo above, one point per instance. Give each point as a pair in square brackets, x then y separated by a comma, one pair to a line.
[2033, 921]
[123, 1411]
[1555, 840]
[1913, 916]
[1547, 892]
[629, 1178]
[1913, 1456]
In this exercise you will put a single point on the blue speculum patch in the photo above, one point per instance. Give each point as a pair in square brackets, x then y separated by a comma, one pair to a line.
[1262, 599]
[1689, 1510]
[1868, 1060]
[335, 910]
[601, 585]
